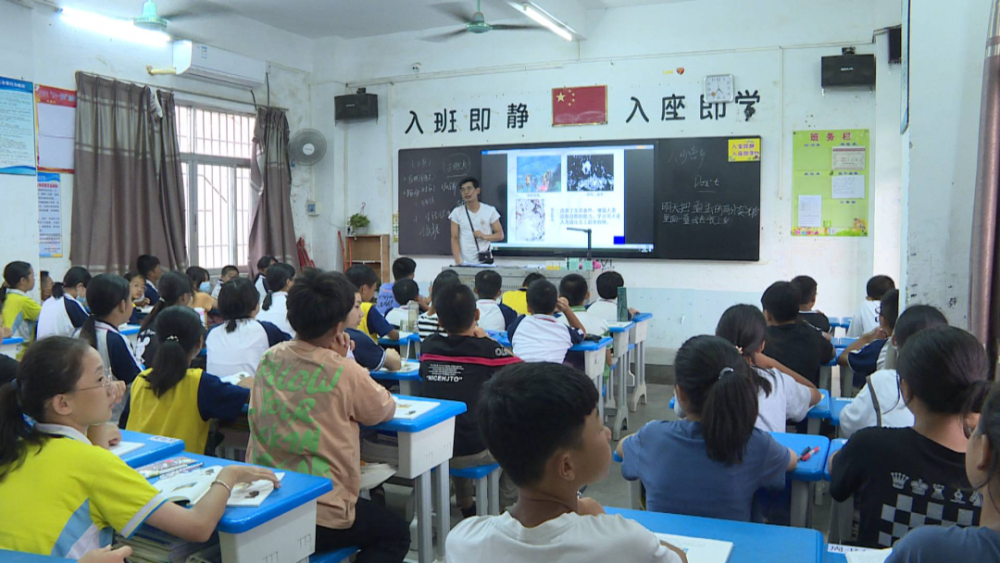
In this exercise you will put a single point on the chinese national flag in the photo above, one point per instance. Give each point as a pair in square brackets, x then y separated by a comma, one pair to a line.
[584, 105]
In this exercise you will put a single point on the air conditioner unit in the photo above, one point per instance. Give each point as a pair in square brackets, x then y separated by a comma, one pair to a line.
[204, 62]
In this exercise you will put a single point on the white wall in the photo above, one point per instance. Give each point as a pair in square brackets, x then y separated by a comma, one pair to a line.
[37, 46]
[775, 48]
[947, 44]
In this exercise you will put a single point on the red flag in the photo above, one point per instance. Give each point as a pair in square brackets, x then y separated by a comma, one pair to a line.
[580, 105]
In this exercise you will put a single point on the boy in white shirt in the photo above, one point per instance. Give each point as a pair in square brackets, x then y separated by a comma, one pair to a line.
[539, 336]
[493, 315]
[607, 289]
[550, 521]
[403, 291]
[574, 288]
[866, 319]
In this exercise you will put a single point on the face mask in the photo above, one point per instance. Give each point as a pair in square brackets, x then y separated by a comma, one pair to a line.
[205, 287]
[82, 299]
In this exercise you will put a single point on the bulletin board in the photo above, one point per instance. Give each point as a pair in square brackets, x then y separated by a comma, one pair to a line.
[830, 179]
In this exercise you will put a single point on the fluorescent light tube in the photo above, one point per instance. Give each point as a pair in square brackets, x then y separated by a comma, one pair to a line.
[115, 28]
[543, 18]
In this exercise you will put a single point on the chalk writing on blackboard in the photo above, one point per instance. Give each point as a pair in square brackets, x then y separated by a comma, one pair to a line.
[457, 164]
[431, 230]
[684, 156]
[702, 213]
[706, 184]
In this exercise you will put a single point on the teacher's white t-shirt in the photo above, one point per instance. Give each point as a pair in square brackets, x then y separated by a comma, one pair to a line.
[482, 221]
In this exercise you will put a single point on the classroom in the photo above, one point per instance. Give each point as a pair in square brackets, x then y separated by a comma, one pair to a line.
[499, 281]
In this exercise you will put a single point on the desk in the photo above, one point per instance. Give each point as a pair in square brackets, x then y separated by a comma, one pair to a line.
[408, 376]
[426, 443]
[404, 342]
[820, 411]
[593, 366]
[131, 332]
[154, 448]
[807, 471]
[21, 557]
[841, 513]
[752, 543]
[500, 336]
[618, 383]
[11, 346]
[638, 337]
[837, 405]
[281, 530]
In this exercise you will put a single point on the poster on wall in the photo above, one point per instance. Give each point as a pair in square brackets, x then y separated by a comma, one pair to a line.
[17, 127]
[55, 114]
[830, 174]
[49, 216]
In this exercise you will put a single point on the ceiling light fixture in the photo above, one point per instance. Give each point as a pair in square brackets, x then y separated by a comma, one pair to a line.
[115, 28]
[550, 22]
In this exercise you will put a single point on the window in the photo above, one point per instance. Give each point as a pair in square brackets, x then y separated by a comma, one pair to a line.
[215, 151]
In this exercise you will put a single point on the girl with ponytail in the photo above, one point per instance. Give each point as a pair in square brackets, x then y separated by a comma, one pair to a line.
[175, 289]
[239, 344]
[713, 462]
[63, 313]
[50, 469]
[173, 399]
[280, 279]
[20, 312]
[943, 380]
[110, 302]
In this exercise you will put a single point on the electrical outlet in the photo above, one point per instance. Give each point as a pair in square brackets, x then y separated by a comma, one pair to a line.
[312, 208]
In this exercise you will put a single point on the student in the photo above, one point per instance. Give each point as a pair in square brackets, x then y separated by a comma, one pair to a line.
[574, 288]
[403, 268]
[866, 355]
[149, 268]
[539, 337]
[175, 290]
[137, 285]
[918, 472]
[790, 341]
[866, 319]
[62, 314]
[280, 278]
[44, 285]
[782, 394]
[712, 463]
[110, 303]
[807, 288]
[237, 345]
[75, 494]
[427, 322]
[372, 322]
[171, 398]
[982, 467]
[493, 315]
[366, 352]
[518, 298]
[325, 440]
[884, 384]
[263, 264]
[201, 283]
[454, 366]
[20, 312]
[551, 521]
[474, 226]
[607, 289]
[229, 273]
[403, 291]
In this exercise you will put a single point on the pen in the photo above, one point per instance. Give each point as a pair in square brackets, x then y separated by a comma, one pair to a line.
[810, 453]
[805, 451]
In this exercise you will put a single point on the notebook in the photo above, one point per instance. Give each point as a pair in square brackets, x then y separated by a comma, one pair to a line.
[166, 466]
[700, 550]
[410, 410]
[235, 378]
[124, 448]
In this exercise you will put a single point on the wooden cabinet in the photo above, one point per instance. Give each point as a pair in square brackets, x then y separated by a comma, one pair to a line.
[372, 251]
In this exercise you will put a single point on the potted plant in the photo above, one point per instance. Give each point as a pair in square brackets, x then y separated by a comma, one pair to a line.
[358, 223]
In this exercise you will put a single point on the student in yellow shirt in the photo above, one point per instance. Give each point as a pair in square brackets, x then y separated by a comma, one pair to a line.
[61, 495]
[173, 399]
[518, 298]
[20, 312]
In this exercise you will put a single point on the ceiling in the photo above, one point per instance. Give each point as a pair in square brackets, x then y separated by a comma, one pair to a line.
[343, 18]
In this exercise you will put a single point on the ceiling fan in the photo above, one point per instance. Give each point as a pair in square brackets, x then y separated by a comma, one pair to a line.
[152, 20]
[472, 22]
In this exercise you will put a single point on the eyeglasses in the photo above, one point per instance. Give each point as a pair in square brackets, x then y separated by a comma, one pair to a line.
[108, 382]
[467, 190]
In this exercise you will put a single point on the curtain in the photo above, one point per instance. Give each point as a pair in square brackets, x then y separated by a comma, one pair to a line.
[985, 256]
[272, 232]
[128, 194]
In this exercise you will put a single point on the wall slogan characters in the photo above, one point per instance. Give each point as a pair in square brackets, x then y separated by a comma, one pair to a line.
[830, 173]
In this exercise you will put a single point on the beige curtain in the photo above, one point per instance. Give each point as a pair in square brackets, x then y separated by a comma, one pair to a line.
[127, 190]
[272, 232]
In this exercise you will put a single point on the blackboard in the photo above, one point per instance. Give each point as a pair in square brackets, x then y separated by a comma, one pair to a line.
[428, 191]
[707, 203]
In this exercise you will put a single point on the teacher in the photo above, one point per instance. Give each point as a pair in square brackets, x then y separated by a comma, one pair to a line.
[474, 225]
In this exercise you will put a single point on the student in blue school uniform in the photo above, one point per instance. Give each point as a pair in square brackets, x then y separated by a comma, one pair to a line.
[403, 291]
[63, 496]
[403, 268]
[372, 322]
[274, 309]
[539, 336]
[62, 314]
[866, 355]
[149, 268]
[20, 311]
[171, 398]
[110, 303]
[918, 471]
[982, 466]
[137, 284]
[712, 463]
[493, 315]
[366, 352]
[260, 282]
[175, 290]
[541, 423]
[239, 343]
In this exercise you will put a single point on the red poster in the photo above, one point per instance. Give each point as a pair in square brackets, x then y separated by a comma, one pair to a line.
[55, 115]
[580, 105]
